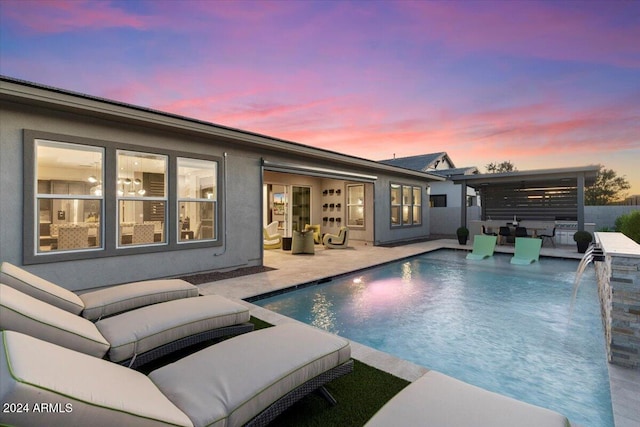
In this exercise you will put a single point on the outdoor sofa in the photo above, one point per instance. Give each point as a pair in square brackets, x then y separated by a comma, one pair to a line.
[245, 380]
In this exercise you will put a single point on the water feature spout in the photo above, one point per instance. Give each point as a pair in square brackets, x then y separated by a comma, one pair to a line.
[588, 257]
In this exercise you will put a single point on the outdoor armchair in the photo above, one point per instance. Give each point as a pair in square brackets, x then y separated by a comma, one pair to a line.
[271, 238]
[339, 241]
[317, 237]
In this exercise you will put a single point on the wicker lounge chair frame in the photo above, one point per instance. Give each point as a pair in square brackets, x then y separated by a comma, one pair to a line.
[286, 401]
[178, 345]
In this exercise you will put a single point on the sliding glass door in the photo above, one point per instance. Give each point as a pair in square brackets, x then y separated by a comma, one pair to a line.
[300, 207]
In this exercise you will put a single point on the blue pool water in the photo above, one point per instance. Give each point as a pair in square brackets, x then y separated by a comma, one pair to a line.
[501, 327]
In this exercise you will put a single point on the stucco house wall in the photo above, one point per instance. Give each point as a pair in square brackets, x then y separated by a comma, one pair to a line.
[242, 155]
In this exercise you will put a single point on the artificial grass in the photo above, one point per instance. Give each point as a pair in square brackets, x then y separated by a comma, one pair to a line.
[360, 394]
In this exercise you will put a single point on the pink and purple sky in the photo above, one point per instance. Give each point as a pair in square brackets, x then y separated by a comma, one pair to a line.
[541, 84]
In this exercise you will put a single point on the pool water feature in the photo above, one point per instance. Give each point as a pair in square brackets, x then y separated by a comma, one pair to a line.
[502, 327]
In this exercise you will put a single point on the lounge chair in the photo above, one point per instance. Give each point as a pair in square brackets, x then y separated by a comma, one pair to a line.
[339, 241]
[246, 380]
[483, 247]
[527, 251]
[271, 239]
[133, 338]
[438, 400]
[94, 305]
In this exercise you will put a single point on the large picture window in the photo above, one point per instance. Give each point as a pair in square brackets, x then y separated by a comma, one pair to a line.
[406, 205]
[142, 198]
[88, 198]
[355, 205]
[69, 197]
[197, 199]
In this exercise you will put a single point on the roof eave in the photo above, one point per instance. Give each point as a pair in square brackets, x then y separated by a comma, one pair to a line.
[18, 90]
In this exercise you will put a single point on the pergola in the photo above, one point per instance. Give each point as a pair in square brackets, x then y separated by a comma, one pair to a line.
[543, 194]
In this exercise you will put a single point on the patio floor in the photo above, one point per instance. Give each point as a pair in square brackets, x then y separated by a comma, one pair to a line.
[290, 270]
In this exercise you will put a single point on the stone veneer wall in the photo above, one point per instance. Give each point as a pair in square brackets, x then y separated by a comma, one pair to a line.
[619, 289]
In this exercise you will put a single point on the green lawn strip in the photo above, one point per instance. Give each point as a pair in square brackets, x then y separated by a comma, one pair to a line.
[359, 394]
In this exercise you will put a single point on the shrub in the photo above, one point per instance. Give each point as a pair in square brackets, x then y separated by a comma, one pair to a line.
[582, 236]
[629, 225]
[462, 231]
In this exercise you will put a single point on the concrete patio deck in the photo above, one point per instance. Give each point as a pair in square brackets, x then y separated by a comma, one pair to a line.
[291, 270]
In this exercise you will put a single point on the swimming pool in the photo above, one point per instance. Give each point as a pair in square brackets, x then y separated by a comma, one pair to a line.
[501, 327]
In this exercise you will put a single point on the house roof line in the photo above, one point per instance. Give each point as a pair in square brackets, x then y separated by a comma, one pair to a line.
[13, 88]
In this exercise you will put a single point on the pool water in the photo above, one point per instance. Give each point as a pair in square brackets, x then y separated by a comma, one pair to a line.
[501, 327]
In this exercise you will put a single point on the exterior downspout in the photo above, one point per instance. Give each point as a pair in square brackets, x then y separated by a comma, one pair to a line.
[224, 204]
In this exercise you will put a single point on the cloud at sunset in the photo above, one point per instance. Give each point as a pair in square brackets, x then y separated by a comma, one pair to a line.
[543, 84]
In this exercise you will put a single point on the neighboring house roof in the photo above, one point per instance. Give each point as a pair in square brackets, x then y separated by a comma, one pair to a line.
[38, 94]
[422, 162]
[430, 163]
[471, 170]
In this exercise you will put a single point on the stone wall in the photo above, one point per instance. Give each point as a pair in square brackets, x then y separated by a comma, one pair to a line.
[619, 290]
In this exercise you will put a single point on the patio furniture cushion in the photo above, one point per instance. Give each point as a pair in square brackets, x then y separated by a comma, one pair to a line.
[137, 331]
[86, 390]
[223, 385]
[438, 400]
[40, 288]
[23, 313]
[117, 299]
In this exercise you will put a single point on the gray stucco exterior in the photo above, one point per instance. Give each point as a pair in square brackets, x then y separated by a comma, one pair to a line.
[26, 106]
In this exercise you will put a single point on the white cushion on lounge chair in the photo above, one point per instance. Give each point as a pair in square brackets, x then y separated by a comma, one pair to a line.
[40, 288]
[99, 303]
[146, 328]
[223, 385]
[96, 392]
[23, 313]
[438, 400]
[117, 299]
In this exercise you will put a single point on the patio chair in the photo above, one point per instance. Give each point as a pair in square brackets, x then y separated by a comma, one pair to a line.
[527, 251]
[271, 238]
[521, 232]
[483, 247]
[246, 380]
[133, 338]
[94, 305]
[339, 241]
[549, 235]
[487, 233]
[438, 400]
[504, 235]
